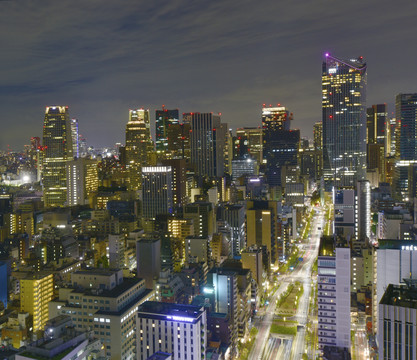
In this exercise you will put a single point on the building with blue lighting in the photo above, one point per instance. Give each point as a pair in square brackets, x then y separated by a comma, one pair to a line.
[180, 330]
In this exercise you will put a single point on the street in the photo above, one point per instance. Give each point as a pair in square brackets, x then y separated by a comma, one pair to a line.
[266, 347]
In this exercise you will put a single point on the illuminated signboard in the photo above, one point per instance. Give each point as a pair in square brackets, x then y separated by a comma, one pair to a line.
[409, 247]
[180, 318]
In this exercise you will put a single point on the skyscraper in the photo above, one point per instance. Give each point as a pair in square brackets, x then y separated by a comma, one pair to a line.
[405, 143]
[179, 191]
[82, 180]
[157, 191]
[376, 118]
[207, 144]
[75, 138]
[318, 135]
[280, 144]
[344, 120]
[139, 145]
[164, 119]
[58, 150]
[248, 141]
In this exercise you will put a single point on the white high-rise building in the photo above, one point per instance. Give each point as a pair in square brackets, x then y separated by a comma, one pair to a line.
[397, 322]
[394, 263]
[180, 330]
[333, 293]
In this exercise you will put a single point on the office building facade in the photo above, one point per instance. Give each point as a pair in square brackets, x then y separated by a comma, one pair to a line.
[139, 145]
[280, 143]
[82, 180]
[58, 149]
[405, 142]
[333, 295]
[103, 301]
[344, 120]
[163, 120]
[180, 330]
[157, 191]
[35, 293]
[208, 144]
[397, 322]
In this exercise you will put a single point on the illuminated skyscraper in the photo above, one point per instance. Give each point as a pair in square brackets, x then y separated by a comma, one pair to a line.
[139, 146]
[179, 141]
[82, 180]
[405, 142]
[157, 191]
[318, 135]
[207, 144]
[344, 120]
[376, 118]
[75, 138]
[280, 144]
[248, 142]
[164, 119]
[58, 149]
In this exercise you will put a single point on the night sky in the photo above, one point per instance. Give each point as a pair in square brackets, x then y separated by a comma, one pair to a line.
[103, 57]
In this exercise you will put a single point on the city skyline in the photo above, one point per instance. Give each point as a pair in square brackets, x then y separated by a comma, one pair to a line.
[101, 60]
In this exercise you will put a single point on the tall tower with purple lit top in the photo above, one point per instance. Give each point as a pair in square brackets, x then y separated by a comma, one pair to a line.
[344, 120]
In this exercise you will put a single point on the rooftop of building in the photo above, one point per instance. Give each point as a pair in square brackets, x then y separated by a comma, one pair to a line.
[397, 244]
[58, 320]
[336, 353]
[174, 310]
[97, 272]
[328, 245]
[55, 349]
[357, 63]
[112, 293]
[160, 356]
[401, 295]
[218, 315]
[146, 293]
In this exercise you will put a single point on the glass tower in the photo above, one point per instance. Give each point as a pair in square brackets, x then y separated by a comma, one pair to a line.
[164, 119]
[139, 145]
[57, 141]
[280, 144]
[344, 120]
[406, 142]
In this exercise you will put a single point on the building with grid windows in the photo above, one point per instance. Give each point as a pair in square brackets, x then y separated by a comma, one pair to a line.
[397, 322]
[35, 292]
[180, 330]
[103, 301]
[344, 120]
[58, 149]
[157, 191]
[164, 119]
[333, 295]
[139, 145]
[405, 144]
[82, 180]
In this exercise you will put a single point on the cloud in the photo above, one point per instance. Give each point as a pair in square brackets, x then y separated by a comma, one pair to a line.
[101, 58]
